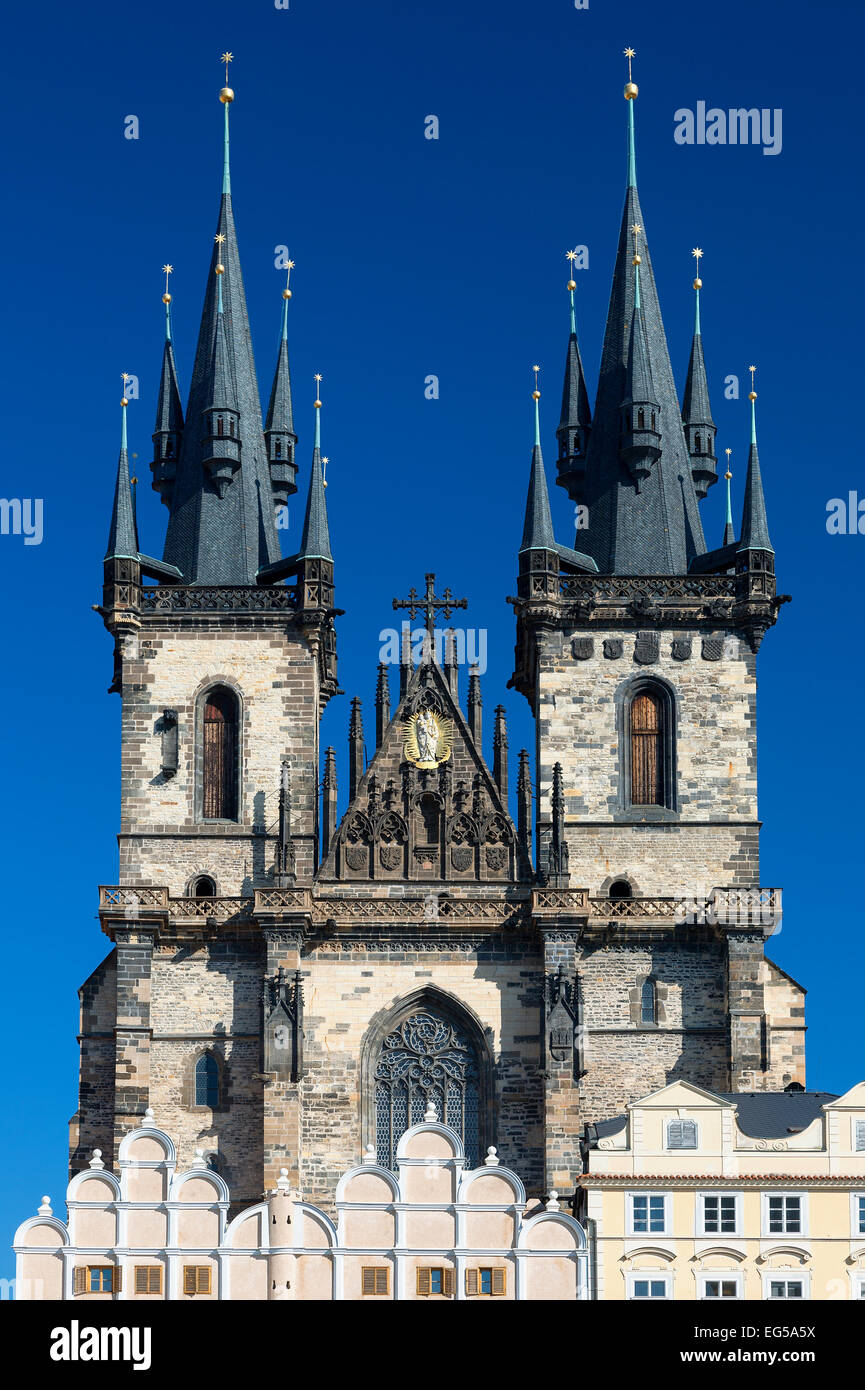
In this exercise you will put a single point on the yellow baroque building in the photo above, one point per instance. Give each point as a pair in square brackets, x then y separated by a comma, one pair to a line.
[760, 1196]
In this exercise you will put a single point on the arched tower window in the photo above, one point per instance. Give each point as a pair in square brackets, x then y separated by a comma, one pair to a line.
[648, 1002]
[203, 887]
[219, 769]
[647, 749]
[207, 1081]
[621, 889]
[428, 1058]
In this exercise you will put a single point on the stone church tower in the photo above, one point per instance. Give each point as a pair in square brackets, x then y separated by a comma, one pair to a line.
[287, 988]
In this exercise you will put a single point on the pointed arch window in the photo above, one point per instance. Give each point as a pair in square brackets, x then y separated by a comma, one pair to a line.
[648, 1002]
[207, 1081]
[641, 418]
[698, 444]
[219, 755]
[648, 748]
[277, 448]
[220, 425]
[427, 1058]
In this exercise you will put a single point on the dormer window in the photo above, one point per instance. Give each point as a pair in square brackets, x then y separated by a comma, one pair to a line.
[576, 444]
[277, 448]
[231, 425]
[169, 448]
[698, 444]
[641, 419]
[220, 425]
[682, 1134]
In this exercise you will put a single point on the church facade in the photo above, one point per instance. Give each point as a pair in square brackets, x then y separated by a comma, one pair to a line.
[287, 987]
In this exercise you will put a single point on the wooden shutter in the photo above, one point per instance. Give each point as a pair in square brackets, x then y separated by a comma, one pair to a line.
[203, 1279]
[148, 1279]
[500, 1282]
[220, 756]
[382, 1280]
[471, 1281]
[448, 1283]
[367, 1280]
[116, 1278]
[647, 751]
[423, 1280]
[79, 1279]
[190, 1281]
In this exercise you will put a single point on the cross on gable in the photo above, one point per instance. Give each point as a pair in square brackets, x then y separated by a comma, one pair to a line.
[430, 603]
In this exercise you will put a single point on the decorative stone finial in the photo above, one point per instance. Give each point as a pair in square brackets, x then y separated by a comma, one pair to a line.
[553, 1201]
[148, 1120]
[198, 1161]
[430, 1114]
[282, 1183]
[491, 1160]
[45, 1207]
[369, 1155]
[96, 1160]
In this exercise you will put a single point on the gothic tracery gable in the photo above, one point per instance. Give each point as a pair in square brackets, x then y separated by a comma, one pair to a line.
[427, 808]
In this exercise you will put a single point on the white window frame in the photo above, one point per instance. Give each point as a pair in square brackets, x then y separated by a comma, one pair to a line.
[857, 1289]
[857, 1222]
[775, 1276]
[648, 1234]
[681, 1148]
[802, 1232]
[701, 1216]
[717, 1276]
[855, 1121]
[652, 1276]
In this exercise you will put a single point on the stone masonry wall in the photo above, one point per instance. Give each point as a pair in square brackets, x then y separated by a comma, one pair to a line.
[161, 840]
[713, 840]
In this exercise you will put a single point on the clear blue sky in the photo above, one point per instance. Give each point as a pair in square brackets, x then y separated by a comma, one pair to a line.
[414, 257]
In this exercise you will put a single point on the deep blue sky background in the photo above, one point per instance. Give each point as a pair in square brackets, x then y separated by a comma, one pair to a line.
[414, 257]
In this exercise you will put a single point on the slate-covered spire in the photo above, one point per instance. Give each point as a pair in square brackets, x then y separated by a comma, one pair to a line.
[538, 524]
[222, 524]
[279, 424]
[657, 530]
[696, 410]
[123, 532]
[755, 526]
[576, 418]
[315, 539]
[168, 429]
[640, 442]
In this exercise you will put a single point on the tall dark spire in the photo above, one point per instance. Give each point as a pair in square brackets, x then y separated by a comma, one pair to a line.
[655, 530]
[576, 417]
[755, 525]
[279, 424]
[168, 429]
[123, 533]
[639, 443]
[222, 526]
[315, 540]
[696, 410]
[538, 537]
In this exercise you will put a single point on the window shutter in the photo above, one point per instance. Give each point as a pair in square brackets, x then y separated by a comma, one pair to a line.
[220, 756]
[189, 1279]
[500, 1277]
[79, 1279]
[423, 1281]
[116, 1279]
[647, 785]
[382, 1280]
[471, 1281]
[204, 1278]
[448, 1283]
[367, 1280]
[142, 1279]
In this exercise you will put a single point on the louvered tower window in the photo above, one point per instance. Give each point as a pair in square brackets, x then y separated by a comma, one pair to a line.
[220, 755]
[647, 750]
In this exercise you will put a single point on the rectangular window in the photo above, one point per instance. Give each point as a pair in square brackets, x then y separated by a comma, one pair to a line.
[859, 1214]
[650, 1288]
[682, 1134]
[719, 1214]
[435, 1279]
[786, 1288]
[196, 1279]
[859, 1135]
[491, 1283]
[648, 1213]
[375, 1279]
[96, 1279]
[721, 1288]
[148, 1278]
[785, 1215]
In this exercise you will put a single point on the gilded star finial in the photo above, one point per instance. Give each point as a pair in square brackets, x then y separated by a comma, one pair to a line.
[572, 256]
[728, 475]
[226, 95]
[752, 395]
[697, 252]
[317, 380]
[324, 463]
[219, 238]
[635, 232]
[124, 377]
[167, 270]
[631, 88]
[536, 395]
[289, 267]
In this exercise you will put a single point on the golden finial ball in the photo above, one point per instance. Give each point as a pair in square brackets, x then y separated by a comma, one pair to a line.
[286, 294]
[317, 405]
[698, 284]
[572, 285]
[752, 395]
[323, 483]
[631, 91]
[123, 400]
[536, 395]
[226, 96]
[638, 260]
[166, 298]
[728, 475]
[220, 269]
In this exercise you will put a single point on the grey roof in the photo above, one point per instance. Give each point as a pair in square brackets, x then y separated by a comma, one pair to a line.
[225, 540]
[279, 413]
[538, 524]
[315, 540]
[755, 525]
[575, 397]
[169, 411]
[639, 387]
[696, 409]
[123, 532]
[658, 530]
[774, 1114]
[713, 561]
